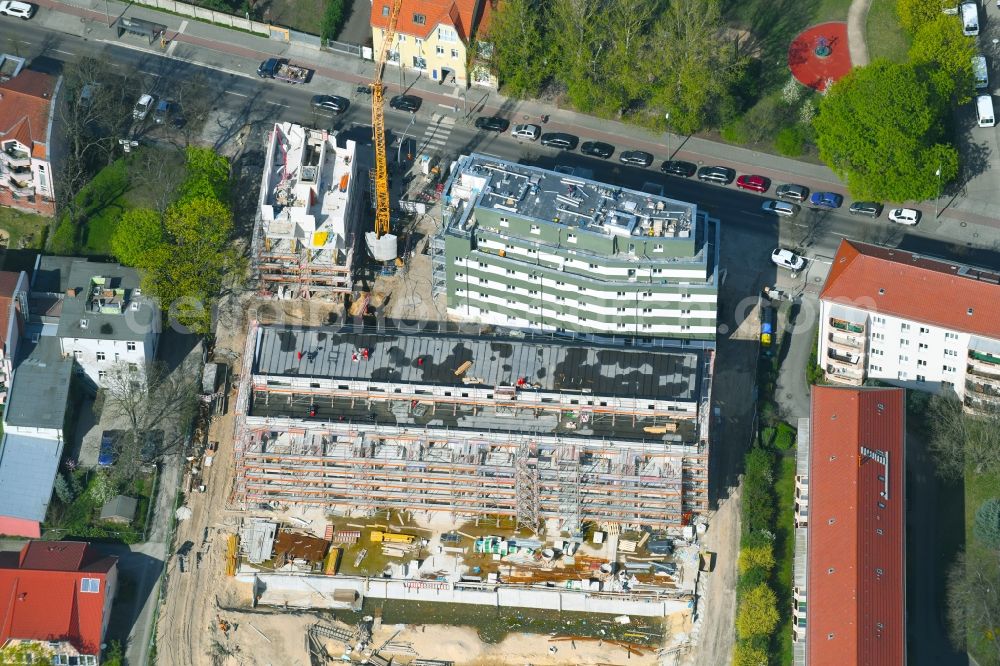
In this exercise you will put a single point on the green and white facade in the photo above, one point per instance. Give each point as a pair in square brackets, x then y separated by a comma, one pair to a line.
[524, 247]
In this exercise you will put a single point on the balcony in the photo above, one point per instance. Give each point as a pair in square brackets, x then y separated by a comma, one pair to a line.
[16, 158]
[983, 388]
[982, 403]
[846, 326]
[981, 363]
[844, 374]
[23, 188]
[845, 340]
[851, 358]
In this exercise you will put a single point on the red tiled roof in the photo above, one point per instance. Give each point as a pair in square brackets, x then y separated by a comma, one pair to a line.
[855, 592]
[489, 8]
[461, 14]
[8, 283]
[25, 101]
[41, 599]
[912, 286]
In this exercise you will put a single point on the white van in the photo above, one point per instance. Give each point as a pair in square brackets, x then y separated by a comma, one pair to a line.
[970, 19]
[984, 111]
[979, 72]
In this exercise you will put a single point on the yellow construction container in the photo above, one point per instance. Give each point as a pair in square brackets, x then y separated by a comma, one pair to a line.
[391, 537]
[332, 559]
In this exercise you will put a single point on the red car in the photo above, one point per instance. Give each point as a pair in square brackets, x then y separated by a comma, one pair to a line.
[753, 183]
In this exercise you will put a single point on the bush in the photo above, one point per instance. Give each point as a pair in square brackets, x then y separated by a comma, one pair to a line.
[64, 238]
[748, 654]
[756, 557]
[790, 141]
[63, 490]
[784, 437]
[333, 19]
[733, 132]
[987, 523]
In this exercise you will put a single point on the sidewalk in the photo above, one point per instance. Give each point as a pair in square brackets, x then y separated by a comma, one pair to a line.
[354, 71]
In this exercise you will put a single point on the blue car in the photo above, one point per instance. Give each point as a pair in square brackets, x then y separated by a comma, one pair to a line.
[826, 200]
[106, 457]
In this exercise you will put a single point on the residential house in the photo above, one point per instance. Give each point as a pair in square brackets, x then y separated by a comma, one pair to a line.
[911, 320]
[849, 589]
[105, 320]
[13, 316]
[58, 594]
[435, 37]
[27, 99]
[34, 424]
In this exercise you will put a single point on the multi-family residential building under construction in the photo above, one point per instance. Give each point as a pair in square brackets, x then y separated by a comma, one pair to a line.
[532, 427]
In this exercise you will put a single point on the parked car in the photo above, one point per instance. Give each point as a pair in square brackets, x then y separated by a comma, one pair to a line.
[717, 174]
[782, 208]
[636, 158]
[753, 183]
[826, 200]
[678, 168]
[21, 10]
[866, 208]
[409, 103]
[143, 107]
[559, 140]
[106, 455]
[597, 149]
[790, 192]
[529, 132]
[164, 109]
[787, 259]
[907, 216]
[492, 123]
[331, 103]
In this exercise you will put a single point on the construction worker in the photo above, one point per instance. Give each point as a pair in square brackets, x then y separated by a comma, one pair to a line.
[312, 411]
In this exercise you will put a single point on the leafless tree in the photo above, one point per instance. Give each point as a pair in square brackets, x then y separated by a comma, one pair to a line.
[961, 441]
[973, 604]
[157, 174]
[151, 401]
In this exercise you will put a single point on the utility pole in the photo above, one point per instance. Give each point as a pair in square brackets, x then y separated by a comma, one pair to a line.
[938, 174]
[402, 139]
[667, 116]
[107, 13]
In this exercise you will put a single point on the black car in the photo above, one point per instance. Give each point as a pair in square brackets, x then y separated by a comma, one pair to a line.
[866, 208]
[492, 123]
[597, 149]
[717, 174]
[790, 192]
[636, 158]
[678, 168]
[409, 103]
[560, 140]
[330, 103]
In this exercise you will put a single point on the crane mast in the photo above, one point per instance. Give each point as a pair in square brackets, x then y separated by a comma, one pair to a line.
[382, 226]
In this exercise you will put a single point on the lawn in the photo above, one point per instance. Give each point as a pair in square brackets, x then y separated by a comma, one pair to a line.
[883, 33]
[301, 15]
[80, 518]
[25, 229]
[784, 551]
[978, 489]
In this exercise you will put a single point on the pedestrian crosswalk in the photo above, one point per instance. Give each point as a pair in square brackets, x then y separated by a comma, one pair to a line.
[435, 137]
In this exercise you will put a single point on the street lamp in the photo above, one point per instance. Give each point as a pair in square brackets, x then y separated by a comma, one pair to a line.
[667, 117]
[402, 140]
[938, 174]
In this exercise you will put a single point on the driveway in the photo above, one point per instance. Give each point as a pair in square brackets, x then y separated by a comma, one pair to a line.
[799, 336]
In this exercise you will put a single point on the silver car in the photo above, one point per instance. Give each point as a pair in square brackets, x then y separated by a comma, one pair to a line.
[782, 208]
[528, 131]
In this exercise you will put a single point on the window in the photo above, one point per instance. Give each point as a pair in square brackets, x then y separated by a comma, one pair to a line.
[647, 326]
[948, 368]
[950, 352]
[924, 329]
[621, 293]
[657, 248]
[419, 63]
[647, 310]
[454, 53]
[446, 34]
[620, 325]
[877, 352]
[904, 327]
[418, 42]
[439, 50]
[90, 584]
[535, 229]
[77, 354]
[685, 295]
[921, 361]
[657, 271]
[504, 222]
[879, 320]
[511, 287]
[921, 345]
[592, 266]
[100, 356]
[951, 336]
[875, 368]
[878, 336]
[135, 306]
[685, 312]
[879, 531]
[620, 309]
[102, 374]
[904, 342]
[385, 10]
[921, 378]
[509, 271]
[581, 288]
[902, 375]
[903, 359]
[570, 238]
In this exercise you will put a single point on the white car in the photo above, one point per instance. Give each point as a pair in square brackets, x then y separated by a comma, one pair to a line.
[906, 216]
[529, 132]
[21, 10]
[143, 107]
[787, 259]
[782, 208]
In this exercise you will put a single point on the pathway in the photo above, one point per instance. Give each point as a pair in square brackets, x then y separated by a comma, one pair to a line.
[857, 20]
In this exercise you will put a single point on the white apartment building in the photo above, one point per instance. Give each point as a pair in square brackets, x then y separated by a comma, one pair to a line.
[913, 321]
[105, 320]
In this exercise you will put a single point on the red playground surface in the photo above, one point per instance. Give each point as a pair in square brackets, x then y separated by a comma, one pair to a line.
[816, 71]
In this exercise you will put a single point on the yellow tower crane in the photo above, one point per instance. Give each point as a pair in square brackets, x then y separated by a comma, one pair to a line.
[382, 226]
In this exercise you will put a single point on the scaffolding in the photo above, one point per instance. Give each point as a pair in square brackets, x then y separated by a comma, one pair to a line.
[526, 488]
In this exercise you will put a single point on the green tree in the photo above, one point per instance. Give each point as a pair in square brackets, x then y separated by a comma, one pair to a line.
[113, 656]
[692, 65]
[945, 55]
[987, 523]
[577, 32]
[25, 653]
[758, 612]
[207, 175]
[973, 601]
[748, 654]
[882, 128]
[517, 48]
[138, 234]
[756, 557]
[915, 13]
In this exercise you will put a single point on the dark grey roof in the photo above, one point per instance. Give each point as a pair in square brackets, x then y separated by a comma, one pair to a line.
[119, 506]
[432, 358]
[52, 275]
[39, 393]
[127, 325]
[28, 467]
